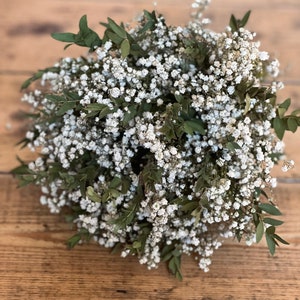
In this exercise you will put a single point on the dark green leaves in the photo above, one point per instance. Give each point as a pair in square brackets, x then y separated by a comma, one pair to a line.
[235, 24]
[194, 126]
[121, 39]
[173, 256]
[64, 102]
[86, 37]
[270, 209]
[81, 235]
[283, 122]
[197, 52]
[150, 23]
[267, 226]
[272, 239]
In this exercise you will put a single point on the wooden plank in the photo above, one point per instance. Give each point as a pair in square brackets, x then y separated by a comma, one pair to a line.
[35, 264]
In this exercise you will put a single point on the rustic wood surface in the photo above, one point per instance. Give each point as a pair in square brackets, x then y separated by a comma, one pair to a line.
[34, 261]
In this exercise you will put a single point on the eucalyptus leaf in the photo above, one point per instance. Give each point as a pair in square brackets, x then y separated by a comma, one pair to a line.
[66, 106]
[270, 209]
[95, 107]
[125, 48]
[74, 240]
[194, 125]
[279, 127]
[92, 195]
[271, 243]
[273, 222]
[292, 124]
[296, 112]
[245, 19]
[64, 37]
[121, 32]
[232, 146]
[286, 104]
[281, 240]
[260, 229]
[55, 98]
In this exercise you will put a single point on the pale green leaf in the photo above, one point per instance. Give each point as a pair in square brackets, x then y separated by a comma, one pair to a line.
[125, 48]
[92, 195]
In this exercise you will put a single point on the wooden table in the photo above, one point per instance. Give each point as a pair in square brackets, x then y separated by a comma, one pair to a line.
[34, 261]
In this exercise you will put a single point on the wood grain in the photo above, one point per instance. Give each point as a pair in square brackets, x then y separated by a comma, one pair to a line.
[34, 261]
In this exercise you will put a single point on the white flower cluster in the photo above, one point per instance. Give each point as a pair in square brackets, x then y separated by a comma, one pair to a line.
[177, 142]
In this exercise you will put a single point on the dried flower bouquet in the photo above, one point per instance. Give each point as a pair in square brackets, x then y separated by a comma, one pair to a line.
[162, 139]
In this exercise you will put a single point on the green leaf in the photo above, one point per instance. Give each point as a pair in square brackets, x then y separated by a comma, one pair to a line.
[281, 240]
[150, 25]
[190, 206]
[260, 192]
[130, 114]
[136, 244]
[55, 98]
[95, 107]
[174, 266]
[270, 209]
[296, 112]
[233, 23]
[194, 125]
[74, 240]
[114, 37]
[259, 231]
[286, 104]
[20, 170]
[281, 111]
[92, 195]
[64, 37]
[83, 26]
[292, 124]
[86, 37]
[279, 127]
[68, 105]
[248, 104]
[121, 32]
[128, 215]
[273, 222]
[83, 234]
[232, 146]
[271, 243]
[236, 24]
[270, 230]
[125, 48]
[245, 19]
[115, 183]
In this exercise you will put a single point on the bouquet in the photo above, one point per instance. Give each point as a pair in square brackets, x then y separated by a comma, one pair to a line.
[161, 140]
